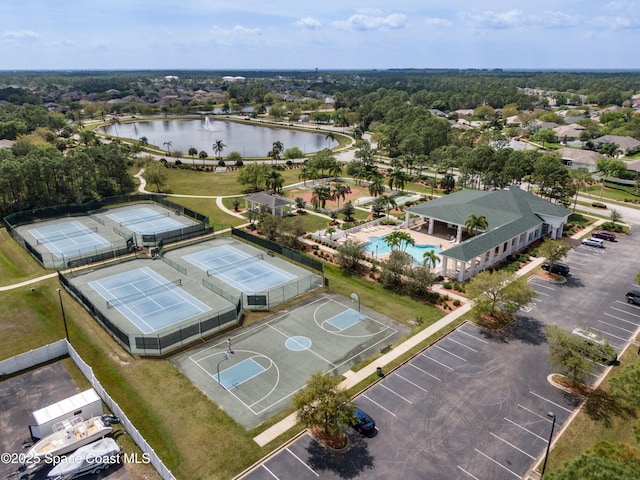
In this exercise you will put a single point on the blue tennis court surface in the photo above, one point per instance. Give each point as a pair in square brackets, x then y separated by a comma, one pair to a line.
[147, 299]
[239, 373]
[68, 238]
[145, 220]
[345, 319]
[247, 273]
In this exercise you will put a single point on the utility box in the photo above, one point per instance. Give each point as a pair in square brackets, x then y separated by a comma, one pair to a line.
[86, 404]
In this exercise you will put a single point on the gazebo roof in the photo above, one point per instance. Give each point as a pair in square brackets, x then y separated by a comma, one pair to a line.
[269, 200]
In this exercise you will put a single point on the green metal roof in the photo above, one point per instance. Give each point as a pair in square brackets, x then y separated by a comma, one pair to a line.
[509, 212]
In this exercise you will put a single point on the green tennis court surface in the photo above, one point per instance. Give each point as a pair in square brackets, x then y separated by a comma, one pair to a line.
[254, 376]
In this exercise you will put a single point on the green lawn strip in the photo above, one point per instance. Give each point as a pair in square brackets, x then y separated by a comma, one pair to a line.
[16, 265]
[209, 207]
[593, 192]
[605, 418]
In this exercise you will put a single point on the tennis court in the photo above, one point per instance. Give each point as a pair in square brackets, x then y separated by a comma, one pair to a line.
[65, 238]
[253, 374]
[145, 220]
[243, 271]
[147, 299]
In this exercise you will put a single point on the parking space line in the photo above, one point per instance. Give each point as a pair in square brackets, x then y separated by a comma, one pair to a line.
[439, 363]
[544, 417]
[396, 393]
[472, 336]
[412, 383]
[615, 326]
[462, 344]
[517, 475]
[472, 476]
[543, 286]
[543, 294]
[552, 403]
[303, 462]
[526, 430]
[512, 445]
[622, 319]
[610, 334]
[450, 353]
[376, 403]
[270, 472]
[624, 311]
[424, 371]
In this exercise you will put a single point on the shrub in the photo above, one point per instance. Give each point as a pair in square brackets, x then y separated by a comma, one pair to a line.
[447, 285]
[456, 303]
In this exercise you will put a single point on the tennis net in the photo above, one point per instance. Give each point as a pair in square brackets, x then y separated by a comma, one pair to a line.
[144, 219]
[143, 293]
[75, 233]
[233, 266]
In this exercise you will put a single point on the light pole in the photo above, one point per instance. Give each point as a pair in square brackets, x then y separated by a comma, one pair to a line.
[354, 297]
[64, 318]
[225, 356]
[546, 455]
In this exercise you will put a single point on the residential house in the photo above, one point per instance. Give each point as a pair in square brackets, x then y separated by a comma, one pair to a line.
[627, 145]
[576, 158]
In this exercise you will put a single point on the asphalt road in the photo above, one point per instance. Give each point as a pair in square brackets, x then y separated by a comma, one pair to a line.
[475, 405]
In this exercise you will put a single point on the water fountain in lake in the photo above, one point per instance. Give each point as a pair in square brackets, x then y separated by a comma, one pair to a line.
[207, 125]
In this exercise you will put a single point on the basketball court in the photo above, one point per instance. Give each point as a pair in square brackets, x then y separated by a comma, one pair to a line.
[253, 373]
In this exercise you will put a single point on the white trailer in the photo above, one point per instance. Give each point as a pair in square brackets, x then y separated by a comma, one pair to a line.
[86, 404]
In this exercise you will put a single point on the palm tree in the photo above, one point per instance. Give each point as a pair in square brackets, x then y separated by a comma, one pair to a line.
[330, 137]
[377, 186]
[389, 203]
[274, 180]
[113, 122]
[193, 152]
[202, 155]
[320, 196]
[399, 240]
[168, 144]
[397, 179]
[430, 258]
[340, 190]
[276, 150]
[144, 141]
[218, 147]
[475, 222]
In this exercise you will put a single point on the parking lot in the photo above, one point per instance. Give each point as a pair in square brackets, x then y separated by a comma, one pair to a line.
[476, 405]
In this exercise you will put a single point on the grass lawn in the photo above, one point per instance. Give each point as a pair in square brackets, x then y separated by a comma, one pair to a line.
[604, 418]
[16, 265]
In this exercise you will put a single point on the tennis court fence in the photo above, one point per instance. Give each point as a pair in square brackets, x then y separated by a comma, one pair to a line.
[204, 325]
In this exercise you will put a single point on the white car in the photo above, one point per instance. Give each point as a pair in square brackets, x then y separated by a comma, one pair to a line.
[593, 242]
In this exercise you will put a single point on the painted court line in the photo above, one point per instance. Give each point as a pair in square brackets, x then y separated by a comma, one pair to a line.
[376, 403]
[472, 476]
[424, 371]
[307, 350]
[462, 344]
[412, 383]
[526, 430]
[473, 336]
[396, 393]
[512, 445]
[498, 463]
[450, 353]
[549, 401]
[302, 462]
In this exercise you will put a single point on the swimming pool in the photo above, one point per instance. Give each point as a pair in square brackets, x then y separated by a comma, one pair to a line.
[377, 246]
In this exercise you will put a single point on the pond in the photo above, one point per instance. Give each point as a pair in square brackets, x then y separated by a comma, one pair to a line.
[248, 140]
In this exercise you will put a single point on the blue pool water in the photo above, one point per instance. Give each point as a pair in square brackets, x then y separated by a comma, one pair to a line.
[416, 251]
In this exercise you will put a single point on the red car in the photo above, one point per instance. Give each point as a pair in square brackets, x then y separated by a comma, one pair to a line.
[605, 235]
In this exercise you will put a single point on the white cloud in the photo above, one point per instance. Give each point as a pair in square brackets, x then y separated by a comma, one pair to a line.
[554, 20]
[619, 23]
[236, 35]
[308, 23]
[438, 22]
[21, 37]
[364, 22]
[494, 20]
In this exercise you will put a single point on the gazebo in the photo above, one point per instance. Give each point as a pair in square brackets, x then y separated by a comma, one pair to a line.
[275, 204]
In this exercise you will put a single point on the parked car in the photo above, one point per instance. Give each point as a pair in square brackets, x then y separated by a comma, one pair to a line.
[363, 422]
[557, 268]
[595, 346]
[605, 235]
[593, 242]
[633, 297]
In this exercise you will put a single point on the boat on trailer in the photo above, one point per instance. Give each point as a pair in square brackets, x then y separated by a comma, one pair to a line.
[86, 460]
[69, 435]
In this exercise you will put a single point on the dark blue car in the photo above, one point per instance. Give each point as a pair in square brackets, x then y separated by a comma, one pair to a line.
[363, 422]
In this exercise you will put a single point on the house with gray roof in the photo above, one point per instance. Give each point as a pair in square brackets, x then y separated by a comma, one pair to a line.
[627, 145]
[515, 219]
[576, 158]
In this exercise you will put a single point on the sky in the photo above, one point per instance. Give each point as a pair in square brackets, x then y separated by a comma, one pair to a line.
[326, 34]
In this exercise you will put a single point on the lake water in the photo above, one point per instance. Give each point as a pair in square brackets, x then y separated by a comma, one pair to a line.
[248, 140]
